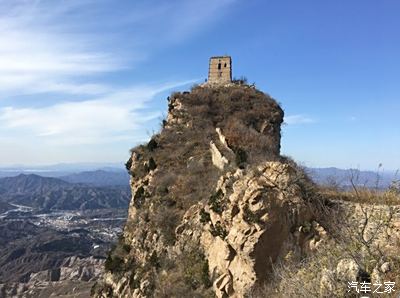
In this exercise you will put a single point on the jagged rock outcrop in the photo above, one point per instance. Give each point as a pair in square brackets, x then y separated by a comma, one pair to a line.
[214, 205]
[248, 225]
[218, 159]
[72, 268]
[75, 276]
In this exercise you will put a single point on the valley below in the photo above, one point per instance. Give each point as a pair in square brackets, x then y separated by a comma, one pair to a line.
[53, 252]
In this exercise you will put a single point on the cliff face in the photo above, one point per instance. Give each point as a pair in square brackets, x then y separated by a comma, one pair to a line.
[213, 203]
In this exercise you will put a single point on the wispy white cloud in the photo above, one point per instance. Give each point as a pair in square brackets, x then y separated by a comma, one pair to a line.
[298, 119]
[72, 53]
[113, 117]
[39, 55]
[61, 46]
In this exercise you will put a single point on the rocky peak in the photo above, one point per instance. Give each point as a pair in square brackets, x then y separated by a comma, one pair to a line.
[214, 205]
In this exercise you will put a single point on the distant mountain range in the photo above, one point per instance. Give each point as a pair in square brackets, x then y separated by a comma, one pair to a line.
[105, 175]
[99, 178]
[59, 170]
[47, 193]
[343, 177]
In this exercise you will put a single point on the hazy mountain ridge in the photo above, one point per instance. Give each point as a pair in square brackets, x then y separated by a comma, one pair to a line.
[31, 183]
[99, 178]
[112, 175]
[46, 193]
[59, 170]
[343, 177]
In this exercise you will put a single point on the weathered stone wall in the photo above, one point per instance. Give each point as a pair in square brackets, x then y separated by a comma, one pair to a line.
[220, 70]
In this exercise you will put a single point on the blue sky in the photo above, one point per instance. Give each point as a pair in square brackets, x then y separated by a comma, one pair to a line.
[84, 81]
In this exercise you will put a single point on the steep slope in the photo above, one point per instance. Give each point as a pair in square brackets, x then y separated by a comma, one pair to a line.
[214, 205]
[343, 177]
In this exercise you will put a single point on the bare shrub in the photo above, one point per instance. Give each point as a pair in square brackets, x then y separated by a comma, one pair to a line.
[166, 220]
[187, 278]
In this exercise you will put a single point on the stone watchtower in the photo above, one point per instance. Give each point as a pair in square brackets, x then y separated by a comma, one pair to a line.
[220, 70]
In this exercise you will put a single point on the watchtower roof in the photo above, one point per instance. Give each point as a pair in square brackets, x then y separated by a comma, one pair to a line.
[216, 57]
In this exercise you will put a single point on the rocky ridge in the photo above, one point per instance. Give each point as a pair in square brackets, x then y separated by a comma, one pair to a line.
[255, 199]
[215, 209]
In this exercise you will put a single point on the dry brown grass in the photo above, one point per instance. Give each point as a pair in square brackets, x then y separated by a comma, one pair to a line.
[186, 278]
[363, 195]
